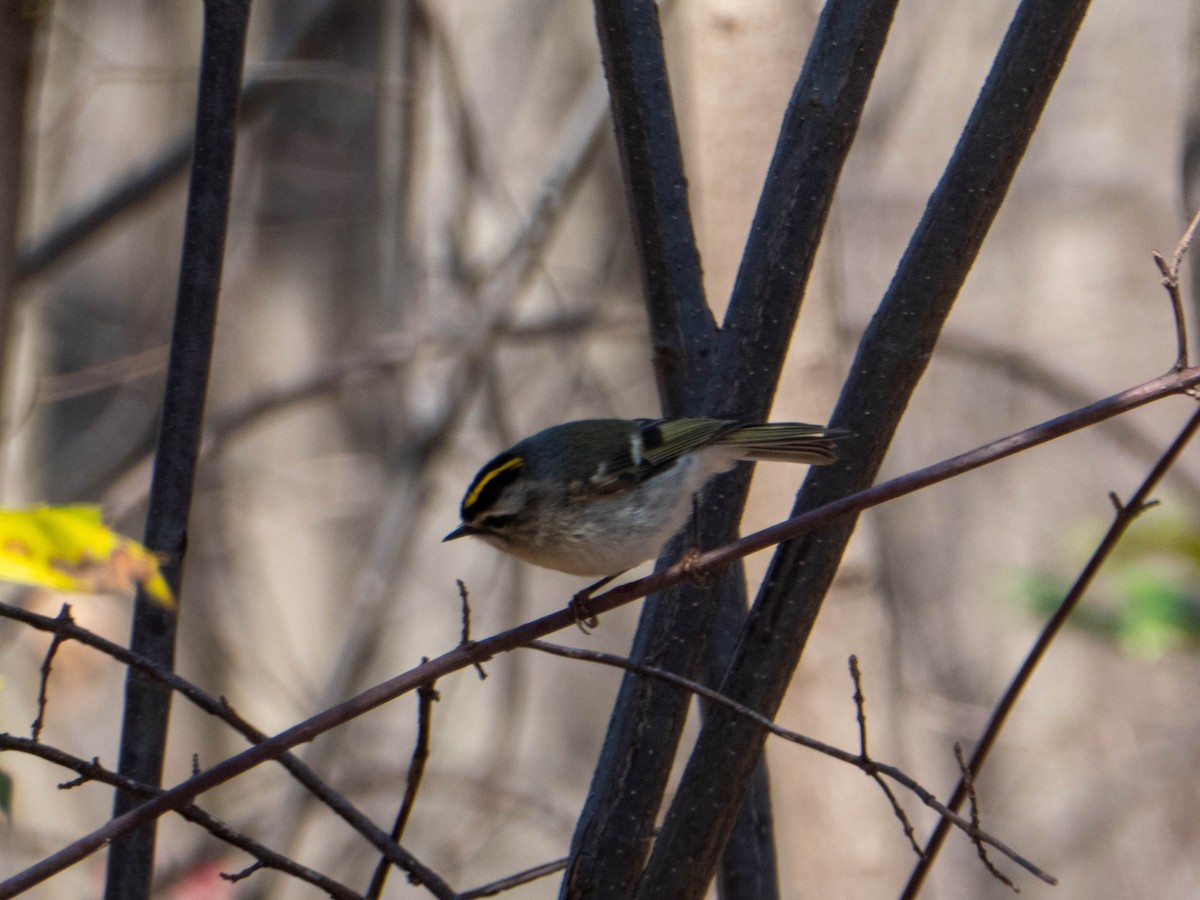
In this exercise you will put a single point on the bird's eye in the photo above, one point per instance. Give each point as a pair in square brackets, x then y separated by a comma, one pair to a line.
[497, 523]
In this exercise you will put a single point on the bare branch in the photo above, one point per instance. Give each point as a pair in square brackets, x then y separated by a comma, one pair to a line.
[426, 697]
[1170, 280]
[516, 880]
[64, 615]
[265, 857]
[220, 708]
[868, 766]
[1123, 518]
[982, 851]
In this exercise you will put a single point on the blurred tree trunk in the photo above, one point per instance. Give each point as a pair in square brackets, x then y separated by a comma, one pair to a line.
[16, 60]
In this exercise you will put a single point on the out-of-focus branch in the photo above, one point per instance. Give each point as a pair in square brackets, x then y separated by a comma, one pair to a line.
[148, 179]
[891, 359]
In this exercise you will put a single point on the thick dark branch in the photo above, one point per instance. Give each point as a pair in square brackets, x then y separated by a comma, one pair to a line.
[613, 833]
[17, 21]
[682, 328]
[148, 702]
[818, 128]
[890, 361]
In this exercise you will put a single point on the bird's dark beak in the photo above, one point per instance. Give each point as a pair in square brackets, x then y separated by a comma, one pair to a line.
[460, 532]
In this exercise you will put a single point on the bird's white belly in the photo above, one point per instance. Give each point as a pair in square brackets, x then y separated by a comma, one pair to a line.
[621, 531]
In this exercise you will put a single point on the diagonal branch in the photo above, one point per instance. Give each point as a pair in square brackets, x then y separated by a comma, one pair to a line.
[93, 771]
[1124, 517]
[64, 628]
[426, 696]
[860, 761]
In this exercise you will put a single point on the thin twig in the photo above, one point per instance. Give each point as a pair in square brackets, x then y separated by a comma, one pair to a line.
[426, 697]
[515, 880]
[1123, 518]
[868, 766]
[64, 615]
[220, 708]
[465, 640]
[1063, 389]
[93, 771]
[466, 611]
[243, 874]
[859, 707]
[975, 820]
[860, 711]
[1170, 280]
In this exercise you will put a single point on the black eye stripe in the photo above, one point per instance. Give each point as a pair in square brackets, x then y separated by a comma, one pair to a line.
[490, 482]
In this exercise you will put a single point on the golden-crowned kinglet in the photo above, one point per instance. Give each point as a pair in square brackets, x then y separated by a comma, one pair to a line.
[599, 496]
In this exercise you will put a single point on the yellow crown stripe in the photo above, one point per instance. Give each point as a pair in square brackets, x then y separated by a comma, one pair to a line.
[488, 476]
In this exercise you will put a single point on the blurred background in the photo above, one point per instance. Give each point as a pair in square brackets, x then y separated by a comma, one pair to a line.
[429, 258]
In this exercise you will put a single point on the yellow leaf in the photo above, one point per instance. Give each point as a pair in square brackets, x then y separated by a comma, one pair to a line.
[69, 548]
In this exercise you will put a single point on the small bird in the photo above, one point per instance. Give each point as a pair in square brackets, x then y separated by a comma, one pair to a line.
[598, 496]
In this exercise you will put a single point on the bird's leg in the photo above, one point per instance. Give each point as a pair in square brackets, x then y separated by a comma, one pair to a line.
[691, 555]
[584, 617]
[689, 560]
